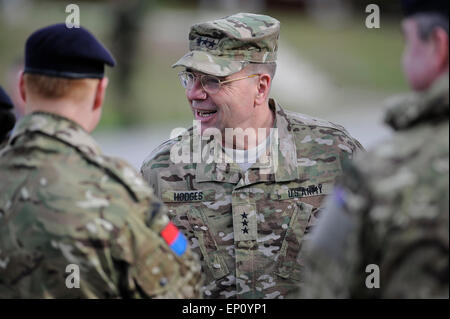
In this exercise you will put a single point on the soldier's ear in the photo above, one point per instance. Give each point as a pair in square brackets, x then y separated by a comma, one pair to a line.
[263, 88]
[22, 92]
[440, 40]
[100, 93]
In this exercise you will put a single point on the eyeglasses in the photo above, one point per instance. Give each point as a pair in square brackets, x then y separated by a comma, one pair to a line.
[210, 83]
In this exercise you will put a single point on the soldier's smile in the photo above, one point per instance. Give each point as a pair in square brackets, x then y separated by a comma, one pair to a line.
[204, 115]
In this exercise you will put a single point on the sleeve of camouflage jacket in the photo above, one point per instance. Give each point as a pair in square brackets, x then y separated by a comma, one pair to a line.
[368, 246]
[154, 270]
[144, 263]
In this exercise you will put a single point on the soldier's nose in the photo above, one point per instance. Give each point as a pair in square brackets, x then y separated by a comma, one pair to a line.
[196, 92]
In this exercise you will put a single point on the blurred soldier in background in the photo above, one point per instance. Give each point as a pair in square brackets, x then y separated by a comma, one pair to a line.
[385, 232]
[128, 17]
[246, 216]
[7, 118]
[75, 223]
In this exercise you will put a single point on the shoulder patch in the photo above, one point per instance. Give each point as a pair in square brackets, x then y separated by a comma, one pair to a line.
[174, 238]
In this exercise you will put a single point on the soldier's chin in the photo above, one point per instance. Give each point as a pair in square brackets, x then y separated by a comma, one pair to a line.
[209, 128]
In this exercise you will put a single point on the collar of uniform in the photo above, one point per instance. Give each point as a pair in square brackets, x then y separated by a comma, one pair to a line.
[218, 170]
[59, 128]
[407, 110]
[285, 165]
[282, 167]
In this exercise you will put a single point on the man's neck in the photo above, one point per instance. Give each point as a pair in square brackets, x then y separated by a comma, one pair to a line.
[62, 108]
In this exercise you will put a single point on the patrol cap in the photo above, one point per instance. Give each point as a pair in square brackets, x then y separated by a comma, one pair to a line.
[5, 101]
[66, 52]
[225, 46]
[411, 7]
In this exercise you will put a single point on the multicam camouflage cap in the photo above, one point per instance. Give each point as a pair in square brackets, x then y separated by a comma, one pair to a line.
[225, 46]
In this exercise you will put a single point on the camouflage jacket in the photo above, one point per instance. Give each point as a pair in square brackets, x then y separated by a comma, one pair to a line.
[249, 226]
[385, 233]
[71, 217]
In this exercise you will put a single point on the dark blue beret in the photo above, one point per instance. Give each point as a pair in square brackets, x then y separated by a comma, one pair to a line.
[66, 52]
[411, 7]
[5, 101]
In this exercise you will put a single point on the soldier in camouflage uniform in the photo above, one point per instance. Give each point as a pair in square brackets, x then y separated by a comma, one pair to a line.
[247, 220]
[73, 222]
[7, 118]
[385, 233]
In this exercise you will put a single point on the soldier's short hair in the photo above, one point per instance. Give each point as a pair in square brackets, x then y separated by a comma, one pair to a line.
[50, 87]
[269, 68]
[428, 22]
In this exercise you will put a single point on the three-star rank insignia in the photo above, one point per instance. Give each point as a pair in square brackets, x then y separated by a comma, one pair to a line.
[244, 222]
[207, 42]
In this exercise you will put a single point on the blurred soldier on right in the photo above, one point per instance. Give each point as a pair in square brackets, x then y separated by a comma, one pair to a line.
[385, 233]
